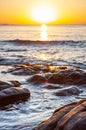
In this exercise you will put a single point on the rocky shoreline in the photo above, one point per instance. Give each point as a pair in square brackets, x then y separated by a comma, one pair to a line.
[69, 117]
[65, 80]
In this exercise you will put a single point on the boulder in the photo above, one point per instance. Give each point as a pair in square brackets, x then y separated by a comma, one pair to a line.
[69, 77]
[72, 90]
[68, 117]
[13, 94]
[37, 79]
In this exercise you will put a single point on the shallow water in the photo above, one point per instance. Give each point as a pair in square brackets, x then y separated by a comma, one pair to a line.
[65, 45]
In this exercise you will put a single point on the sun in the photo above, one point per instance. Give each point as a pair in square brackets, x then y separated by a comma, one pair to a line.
[43, 14]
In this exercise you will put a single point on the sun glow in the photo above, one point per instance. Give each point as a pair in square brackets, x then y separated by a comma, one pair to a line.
[43, 14]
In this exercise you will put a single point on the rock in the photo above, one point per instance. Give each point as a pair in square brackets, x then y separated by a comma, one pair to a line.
[68, 117]
[14, 94]
[69, 120]
[72, 90]
[42, 68]
[15, 83]
[69, 77]
[52, 86]
[28, 69]
[23, 71]
[79, 122]
[4, 85]
[37, 79]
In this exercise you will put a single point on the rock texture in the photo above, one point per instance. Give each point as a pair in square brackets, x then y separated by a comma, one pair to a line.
[11, 93]
[72, 90]
[69, 117]
[28, 69]
[69, 77]
[65, 75]
[37, 79]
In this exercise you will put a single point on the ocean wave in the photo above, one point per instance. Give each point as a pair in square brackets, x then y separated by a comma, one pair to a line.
[18, 41]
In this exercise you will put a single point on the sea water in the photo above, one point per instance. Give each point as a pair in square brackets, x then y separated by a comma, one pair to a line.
[57, 45]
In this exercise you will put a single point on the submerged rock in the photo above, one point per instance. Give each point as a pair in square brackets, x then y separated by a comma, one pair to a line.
[69, 117]
[72, 90]
[14, 94]
[49, 86]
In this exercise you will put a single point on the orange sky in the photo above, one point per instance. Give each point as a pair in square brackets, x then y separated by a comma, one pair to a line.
[56, 12]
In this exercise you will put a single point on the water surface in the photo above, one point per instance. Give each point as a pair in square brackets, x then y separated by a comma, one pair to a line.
[58, 45]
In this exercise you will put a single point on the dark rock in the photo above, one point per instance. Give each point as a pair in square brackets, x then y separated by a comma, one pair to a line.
[69, 77]
[27, 69]
[4, 85]
[24, 71]
[52, 86]
[69, 117]
[37, 79]
[72, 90]
[15, 83]
[14, 94]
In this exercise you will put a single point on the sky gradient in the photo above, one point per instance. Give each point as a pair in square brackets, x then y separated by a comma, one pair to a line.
[21, 11]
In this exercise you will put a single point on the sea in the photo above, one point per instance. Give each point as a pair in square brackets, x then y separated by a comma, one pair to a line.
[54, 45]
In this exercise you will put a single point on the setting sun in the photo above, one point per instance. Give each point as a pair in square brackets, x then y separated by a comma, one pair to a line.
[43, 14]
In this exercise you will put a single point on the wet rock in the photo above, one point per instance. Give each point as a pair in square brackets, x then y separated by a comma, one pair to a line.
[37, 79]
[15, 83]
[28, 69]
[52, 86]
[73, 117]
[23, 71]
[72, 90]
[68, 117]
[69, 77]
[13, 94]
[78, 122]
[41, 68]
[4, 85]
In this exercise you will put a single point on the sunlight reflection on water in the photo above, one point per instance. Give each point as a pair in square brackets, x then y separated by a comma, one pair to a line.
[43, 34]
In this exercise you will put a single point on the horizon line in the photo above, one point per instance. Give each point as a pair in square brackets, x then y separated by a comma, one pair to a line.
[41, 24]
